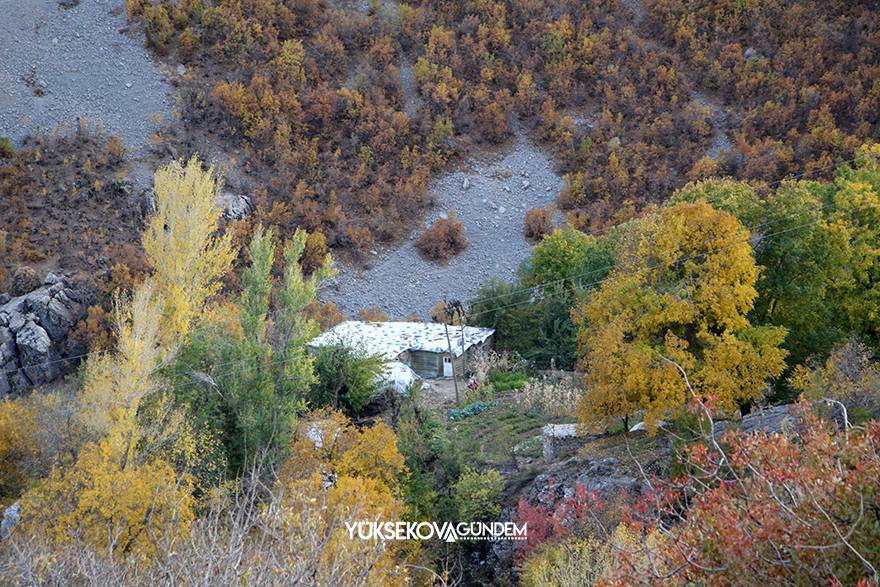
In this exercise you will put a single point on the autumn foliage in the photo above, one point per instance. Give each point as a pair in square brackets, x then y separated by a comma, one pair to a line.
[680, 292]
[443, 240]
[793, 508]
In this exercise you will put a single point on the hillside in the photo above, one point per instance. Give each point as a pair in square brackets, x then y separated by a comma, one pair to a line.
[493, 292]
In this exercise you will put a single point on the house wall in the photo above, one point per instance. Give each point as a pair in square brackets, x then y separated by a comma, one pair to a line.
[426, 364]
[430, 365]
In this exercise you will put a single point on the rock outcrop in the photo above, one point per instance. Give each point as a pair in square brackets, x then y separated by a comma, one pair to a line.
[772, 420]
[33, 333]
[9, 520]
[234, 206]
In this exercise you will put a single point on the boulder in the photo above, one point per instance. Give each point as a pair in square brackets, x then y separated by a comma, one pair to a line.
[772, 420]
[234, 206]
[33, 333]
[10, 518]
[37, 356]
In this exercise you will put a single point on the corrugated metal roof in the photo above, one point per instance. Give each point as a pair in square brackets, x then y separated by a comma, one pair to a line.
[389, 339]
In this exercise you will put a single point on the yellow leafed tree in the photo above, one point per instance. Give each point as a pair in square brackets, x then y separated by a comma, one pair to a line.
[136, 511]
[116, 383]
[121, 495]
[187, 257]
[681, 291]
[348, 475]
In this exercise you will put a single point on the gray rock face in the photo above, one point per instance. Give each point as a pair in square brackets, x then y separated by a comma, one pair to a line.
[33, 333]
[773, 420]
[11, 515]
[234, 206]
[604, 476]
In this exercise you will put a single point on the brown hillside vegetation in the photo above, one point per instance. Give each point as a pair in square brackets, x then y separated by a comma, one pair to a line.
[64, 204]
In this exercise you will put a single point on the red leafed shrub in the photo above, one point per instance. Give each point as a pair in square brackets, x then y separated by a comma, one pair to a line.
[552, 524]
[443, 240]
[757, 509]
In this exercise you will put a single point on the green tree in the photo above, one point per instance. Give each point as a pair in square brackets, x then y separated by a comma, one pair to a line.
[532, 316]
[804, 258]
[347, 378]
[855, 202]
[248, 379]
[568, 259]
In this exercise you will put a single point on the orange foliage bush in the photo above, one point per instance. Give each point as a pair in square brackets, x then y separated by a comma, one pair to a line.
[443, 240]
[374, 314]
[326, 314]
[537, 223]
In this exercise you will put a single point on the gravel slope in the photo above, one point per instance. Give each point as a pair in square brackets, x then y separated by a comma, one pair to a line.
[81, 64]
[492, 207]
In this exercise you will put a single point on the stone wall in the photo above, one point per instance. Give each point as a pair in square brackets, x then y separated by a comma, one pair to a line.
[560, 439]
[33, 333]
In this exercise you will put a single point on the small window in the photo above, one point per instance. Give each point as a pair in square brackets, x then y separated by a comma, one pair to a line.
[447, 360]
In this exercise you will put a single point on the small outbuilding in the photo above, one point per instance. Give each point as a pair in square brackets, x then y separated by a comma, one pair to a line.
[420, 345]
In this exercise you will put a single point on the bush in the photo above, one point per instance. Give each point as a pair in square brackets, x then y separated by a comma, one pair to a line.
[6, 148]
[326, 315]
[373, 314]
[25, 280]
[315, 252]
[443, 240]
[538, 222]
[478, 495]
[346, 378]
[506, 381]
[573, 563]
[158, 27]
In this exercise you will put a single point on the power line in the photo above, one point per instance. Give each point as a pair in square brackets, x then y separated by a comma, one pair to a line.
[710, 201]
[538, 286]
[648, 268]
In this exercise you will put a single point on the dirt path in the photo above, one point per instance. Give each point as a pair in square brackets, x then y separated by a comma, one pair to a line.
[58, 64]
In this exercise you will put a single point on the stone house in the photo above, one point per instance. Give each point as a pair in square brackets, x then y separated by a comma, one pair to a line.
[422, 346]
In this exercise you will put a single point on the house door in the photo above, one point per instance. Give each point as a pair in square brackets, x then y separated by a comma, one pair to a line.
[447, 366]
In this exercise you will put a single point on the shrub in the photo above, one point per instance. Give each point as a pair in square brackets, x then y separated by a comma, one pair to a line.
[24, 280]
[18, 421]
[751, 498]
[443, 240]
[158, 27]
[326, 315]
[374, 314]
[346, 378]
[478, 495]
[572, 563]
[95, 331]
[360, 239]
[315, 252]
[6, 148]
[538, 222]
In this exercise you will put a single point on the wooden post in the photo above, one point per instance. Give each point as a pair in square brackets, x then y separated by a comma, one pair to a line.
[452, 361]
[456, 305]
